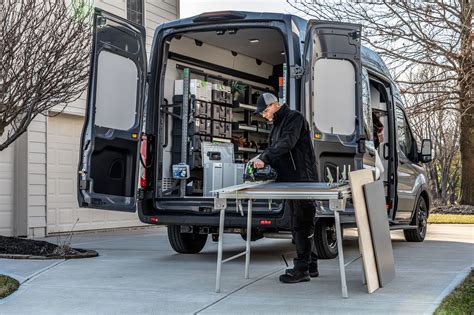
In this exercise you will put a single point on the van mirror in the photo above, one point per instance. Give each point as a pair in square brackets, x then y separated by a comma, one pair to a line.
[426, 148]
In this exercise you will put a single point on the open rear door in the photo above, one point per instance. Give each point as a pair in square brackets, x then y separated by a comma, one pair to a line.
[112, 130]
[332, 60]
[332, 90]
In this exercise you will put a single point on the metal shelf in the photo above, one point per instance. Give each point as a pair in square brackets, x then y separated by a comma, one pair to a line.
[251, 150]
[220, 139]
[242, 106]
[243, 127]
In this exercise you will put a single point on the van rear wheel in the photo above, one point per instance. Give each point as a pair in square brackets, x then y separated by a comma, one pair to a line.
[325, 239]
[185, 243]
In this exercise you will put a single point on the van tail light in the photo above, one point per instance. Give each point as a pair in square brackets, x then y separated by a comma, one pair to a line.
[265, 222]
[143, 160]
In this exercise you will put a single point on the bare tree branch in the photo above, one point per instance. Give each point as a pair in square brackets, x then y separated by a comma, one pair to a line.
[45, 59]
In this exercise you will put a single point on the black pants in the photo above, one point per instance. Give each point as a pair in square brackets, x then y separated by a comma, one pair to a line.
[302, 227]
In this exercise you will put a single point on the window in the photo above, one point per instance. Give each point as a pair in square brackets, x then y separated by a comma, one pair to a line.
[367, 105]
[116, 93]
[334, 96]
[404, 136]
[135, 11]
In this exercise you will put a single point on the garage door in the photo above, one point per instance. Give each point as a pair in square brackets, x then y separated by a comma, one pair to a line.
[63, 153]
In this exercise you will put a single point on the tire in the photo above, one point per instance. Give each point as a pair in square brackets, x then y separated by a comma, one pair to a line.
[420, 219]
[325, 239]
[185, 243]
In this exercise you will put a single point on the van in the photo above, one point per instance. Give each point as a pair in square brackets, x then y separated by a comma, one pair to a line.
[158, 139]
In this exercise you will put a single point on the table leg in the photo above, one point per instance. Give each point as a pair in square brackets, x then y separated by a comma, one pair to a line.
[364, 281]
[219, 250]
[340, 254]
[249, 237]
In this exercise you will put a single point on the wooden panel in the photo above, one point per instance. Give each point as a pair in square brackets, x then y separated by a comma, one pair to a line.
[357, 180]
[378, 220]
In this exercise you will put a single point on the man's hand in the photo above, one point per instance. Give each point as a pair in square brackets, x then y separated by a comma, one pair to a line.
[258, 163]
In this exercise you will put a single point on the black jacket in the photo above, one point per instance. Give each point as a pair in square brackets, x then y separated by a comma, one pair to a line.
[290, 150]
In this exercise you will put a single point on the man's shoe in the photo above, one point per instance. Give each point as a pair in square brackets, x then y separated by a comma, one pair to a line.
[294, 276]
[313, 271]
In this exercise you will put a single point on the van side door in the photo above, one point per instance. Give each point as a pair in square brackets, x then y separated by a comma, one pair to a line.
[408, 170]
[108, 161]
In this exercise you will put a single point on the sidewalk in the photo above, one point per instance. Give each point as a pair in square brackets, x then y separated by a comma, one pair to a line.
[137, 272]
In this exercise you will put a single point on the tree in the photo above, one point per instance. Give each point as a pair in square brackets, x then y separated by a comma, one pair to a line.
[431, 118]
[45, 59]
[411, 34]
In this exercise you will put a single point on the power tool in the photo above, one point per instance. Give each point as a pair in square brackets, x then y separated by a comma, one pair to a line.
[252, 174]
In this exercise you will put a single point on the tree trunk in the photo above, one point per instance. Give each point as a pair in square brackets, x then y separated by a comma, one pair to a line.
[467, 155]
[466, 87]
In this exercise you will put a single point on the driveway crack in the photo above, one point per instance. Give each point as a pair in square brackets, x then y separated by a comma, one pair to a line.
[39, 272]
[237, 290]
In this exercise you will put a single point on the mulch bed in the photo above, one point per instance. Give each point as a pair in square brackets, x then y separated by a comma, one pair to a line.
[453, 210]
[20, 248]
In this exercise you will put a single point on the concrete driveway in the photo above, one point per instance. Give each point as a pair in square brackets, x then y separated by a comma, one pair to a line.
[137, 272]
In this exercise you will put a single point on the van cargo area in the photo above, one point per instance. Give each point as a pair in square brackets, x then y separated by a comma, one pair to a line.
[227, 70]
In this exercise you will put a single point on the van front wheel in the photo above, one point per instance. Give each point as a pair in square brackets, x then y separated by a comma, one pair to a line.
[420, 220]
[185, 243]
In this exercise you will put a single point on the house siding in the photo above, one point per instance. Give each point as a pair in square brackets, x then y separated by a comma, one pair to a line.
[24, 180]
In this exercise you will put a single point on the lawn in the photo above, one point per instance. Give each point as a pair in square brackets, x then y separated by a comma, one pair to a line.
[7, 286]
[451, 218]
[461, 300]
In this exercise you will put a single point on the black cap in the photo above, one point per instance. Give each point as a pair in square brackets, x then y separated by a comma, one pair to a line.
[265, 100]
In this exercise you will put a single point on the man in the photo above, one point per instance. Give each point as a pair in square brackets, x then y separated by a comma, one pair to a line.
[290, 152]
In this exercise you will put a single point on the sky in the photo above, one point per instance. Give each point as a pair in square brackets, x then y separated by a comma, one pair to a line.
[194, 7]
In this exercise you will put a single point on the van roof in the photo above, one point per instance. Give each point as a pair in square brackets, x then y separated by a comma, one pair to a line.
[369, 57]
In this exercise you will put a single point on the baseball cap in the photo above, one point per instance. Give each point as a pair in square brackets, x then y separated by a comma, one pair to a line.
[264, 100]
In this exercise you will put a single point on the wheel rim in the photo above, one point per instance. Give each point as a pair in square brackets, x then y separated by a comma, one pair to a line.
[422, 220]
[331, 236]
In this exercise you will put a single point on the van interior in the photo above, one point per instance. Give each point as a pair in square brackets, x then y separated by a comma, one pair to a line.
[230, 68]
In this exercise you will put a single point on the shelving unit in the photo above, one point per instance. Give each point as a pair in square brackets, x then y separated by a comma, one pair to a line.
[242, 125]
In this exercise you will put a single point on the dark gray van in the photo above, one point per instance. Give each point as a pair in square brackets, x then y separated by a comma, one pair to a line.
[139, 128]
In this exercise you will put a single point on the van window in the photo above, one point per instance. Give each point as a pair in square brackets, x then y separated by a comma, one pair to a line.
[367, 105]
[404, 136]
[116, 93]
[334, 96]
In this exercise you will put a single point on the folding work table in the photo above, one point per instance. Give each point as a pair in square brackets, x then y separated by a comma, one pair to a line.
[336, 195]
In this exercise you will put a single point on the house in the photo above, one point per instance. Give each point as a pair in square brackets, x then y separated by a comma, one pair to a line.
[38, 173]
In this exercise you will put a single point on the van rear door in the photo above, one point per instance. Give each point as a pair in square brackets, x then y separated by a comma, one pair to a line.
[332, 95]
[108, 161]
[332, 63]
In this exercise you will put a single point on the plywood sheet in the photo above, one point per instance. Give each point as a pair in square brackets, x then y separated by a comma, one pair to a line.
[378, 221]
[357, 180]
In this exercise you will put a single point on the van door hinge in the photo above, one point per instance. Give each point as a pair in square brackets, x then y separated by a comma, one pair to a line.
[296, 71]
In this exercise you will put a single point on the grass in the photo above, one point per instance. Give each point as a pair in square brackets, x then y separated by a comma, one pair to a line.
[461, 300]
[7, 286]
[451, 218]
